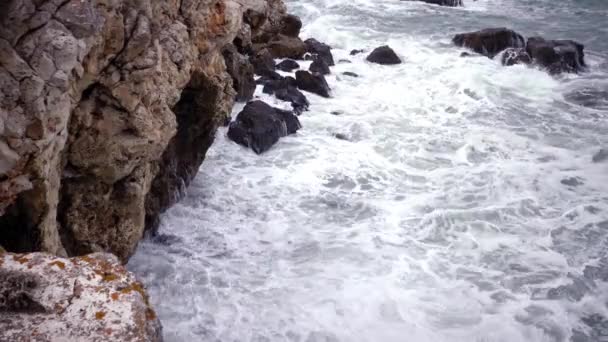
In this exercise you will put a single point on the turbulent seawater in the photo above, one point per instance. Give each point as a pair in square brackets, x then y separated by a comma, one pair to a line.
[463, 207]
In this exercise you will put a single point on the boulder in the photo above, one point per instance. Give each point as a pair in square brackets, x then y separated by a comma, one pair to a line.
[291, 25]
[489, 42]
[263, 63]
[88, 298]
[259, 126]
[557, 56]
[319, 66]
[314, 83]
[512, 56]
[356, 52]
[322, 50]
[350, 74]
[288, 65]
[241, 70]
[283, 46]
[384, 55]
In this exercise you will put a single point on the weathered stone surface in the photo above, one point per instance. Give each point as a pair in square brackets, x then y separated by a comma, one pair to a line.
[259, 126]
[263, 63]
[282, 46]
[90, 298]
[107, 109]
[489, 42]
[288, 65]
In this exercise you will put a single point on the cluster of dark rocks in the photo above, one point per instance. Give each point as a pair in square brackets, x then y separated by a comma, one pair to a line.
[555, 56]
[254, 52]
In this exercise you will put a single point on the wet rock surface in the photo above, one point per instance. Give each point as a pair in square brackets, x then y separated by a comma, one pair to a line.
[384, 55]
[489, 42]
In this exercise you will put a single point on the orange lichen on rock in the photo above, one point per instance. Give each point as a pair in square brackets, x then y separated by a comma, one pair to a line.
[99, 315]
[20, 259]
[58, 263]
[115, 296]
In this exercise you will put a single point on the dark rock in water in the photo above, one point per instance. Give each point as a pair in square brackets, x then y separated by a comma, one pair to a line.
[356, 52]
[285, 89]
[341, 136]
[314, 83]
[270, 77]
[322, 50]
[572, 181]
[298, 100]
[589, 97]
[319, 66]
[512, 56]
[449, 3]
[241, 71]
[600, 156]
[557, 56]
[282, 46]
[351, 74]
[263, 63]
[344, 61]
[490, 42]
[337, 112]
[259, 126]
[166, 239]
[466, 54]
[291, 25]
[384, 55]
[288, 65]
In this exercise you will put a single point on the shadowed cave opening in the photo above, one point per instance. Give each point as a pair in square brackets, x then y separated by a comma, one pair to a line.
[196, 117]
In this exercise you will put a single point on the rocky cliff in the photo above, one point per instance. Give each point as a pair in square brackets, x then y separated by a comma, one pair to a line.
[107, 109]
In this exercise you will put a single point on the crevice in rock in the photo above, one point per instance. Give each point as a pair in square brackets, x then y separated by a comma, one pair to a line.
[19, 232]
[197, 121]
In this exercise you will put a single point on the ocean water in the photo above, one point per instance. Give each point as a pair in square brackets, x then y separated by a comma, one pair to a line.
[464, 205]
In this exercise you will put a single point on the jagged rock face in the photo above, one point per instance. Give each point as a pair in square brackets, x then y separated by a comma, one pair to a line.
[88, 298]
[106, 111]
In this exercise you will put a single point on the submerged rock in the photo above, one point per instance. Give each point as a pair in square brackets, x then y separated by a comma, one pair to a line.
[314, 47]
[356, 52]
[314, 83]
[319, 66]
[259, 126]
[489, 42]
[600, 156]
[384, 55]
[88, 298]
[557, 56]
[350, 74]
[288, 65]
[285, 89]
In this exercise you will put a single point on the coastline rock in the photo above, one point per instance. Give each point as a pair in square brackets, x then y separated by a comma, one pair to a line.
[319, 66]
[288, 65]
[600, 156]
[356, 52]
[241, 71]
[108, 111]
[283, 46]
[512, 56]
[557, 56]
[314, 83]
[489, 42]
[384, 55]
[350, 74]
[259, 126]
[314, 47]
[291, 25]
[263, 63]
[88, 298]
[285, 89]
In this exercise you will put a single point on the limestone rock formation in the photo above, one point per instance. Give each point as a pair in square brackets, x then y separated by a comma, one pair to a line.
[90, 298]
[106, 111]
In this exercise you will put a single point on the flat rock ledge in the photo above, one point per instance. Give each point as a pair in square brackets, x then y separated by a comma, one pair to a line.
[87, 298]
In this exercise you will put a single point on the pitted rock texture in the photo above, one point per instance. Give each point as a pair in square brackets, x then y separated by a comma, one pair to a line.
[89, 298]
[107, 109]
